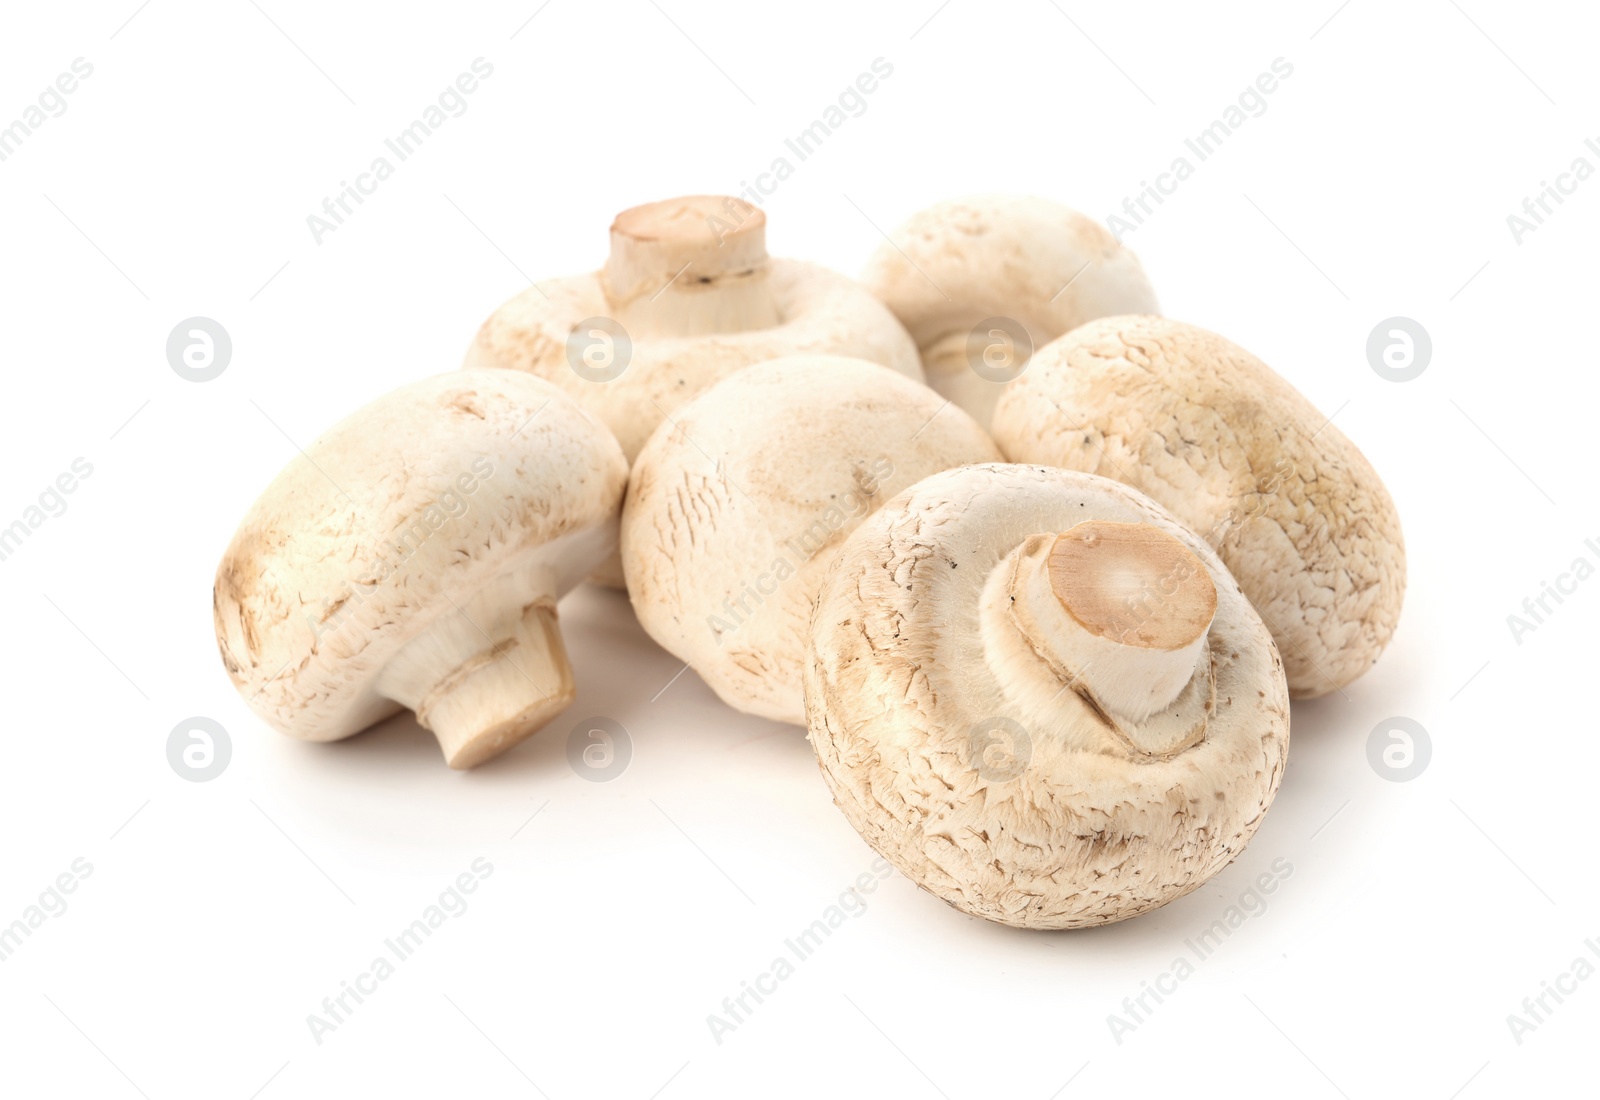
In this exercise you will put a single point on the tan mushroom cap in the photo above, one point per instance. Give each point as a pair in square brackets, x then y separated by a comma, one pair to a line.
[690, 283]
[1213, 434]
[734, 510]
[1040, 264]
[413, 557]
[1042, 698]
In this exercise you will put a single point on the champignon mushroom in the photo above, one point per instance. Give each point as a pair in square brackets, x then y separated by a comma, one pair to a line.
[736, 506]
[687, 296]
[413, 559]
[981, 282]
[1042, 698]
[1210, 432]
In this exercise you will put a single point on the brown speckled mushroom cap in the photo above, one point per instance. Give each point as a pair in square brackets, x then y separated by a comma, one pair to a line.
[1042, 698]
[413, 557]
[735, 508]
[1038, 263]
[1213, 434]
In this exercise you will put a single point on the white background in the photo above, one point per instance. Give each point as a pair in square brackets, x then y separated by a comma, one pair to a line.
[217, 916]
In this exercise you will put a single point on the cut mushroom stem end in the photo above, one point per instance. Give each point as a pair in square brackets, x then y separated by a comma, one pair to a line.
[485, 678]
[691, 266]
[1118, 611]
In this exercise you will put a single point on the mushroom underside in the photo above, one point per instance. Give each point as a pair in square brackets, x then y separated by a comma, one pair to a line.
[1025, 811]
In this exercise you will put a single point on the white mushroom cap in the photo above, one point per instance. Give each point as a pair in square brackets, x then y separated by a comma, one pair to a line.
[735, 508]
[1211, 432]
[695, 298]
[413, 559]
[1038, 266]
[1042, 698]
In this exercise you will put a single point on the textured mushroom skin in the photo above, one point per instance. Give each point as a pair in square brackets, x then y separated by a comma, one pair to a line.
[822, 311]
[1212, 433]
[1091, 831]
[1037, 262]
[313, 597]
[1005, 255]
[734, 510]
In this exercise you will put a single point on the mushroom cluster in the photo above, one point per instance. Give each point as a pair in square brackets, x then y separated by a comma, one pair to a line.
[1042, 616]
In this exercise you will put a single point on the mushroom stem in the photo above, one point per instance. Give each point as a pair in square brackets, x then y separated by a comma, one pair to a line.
[690, 267]
[947, 361]
[1118, 610]
[945, 356]
[485, 677]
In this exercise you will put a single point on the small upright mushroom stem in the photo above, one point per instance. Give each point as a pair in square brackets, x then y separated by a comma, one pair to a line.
[948, 364]
[1122, 608]
[949, 369]
[486, 676]
[947, 355]
[690, 267]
